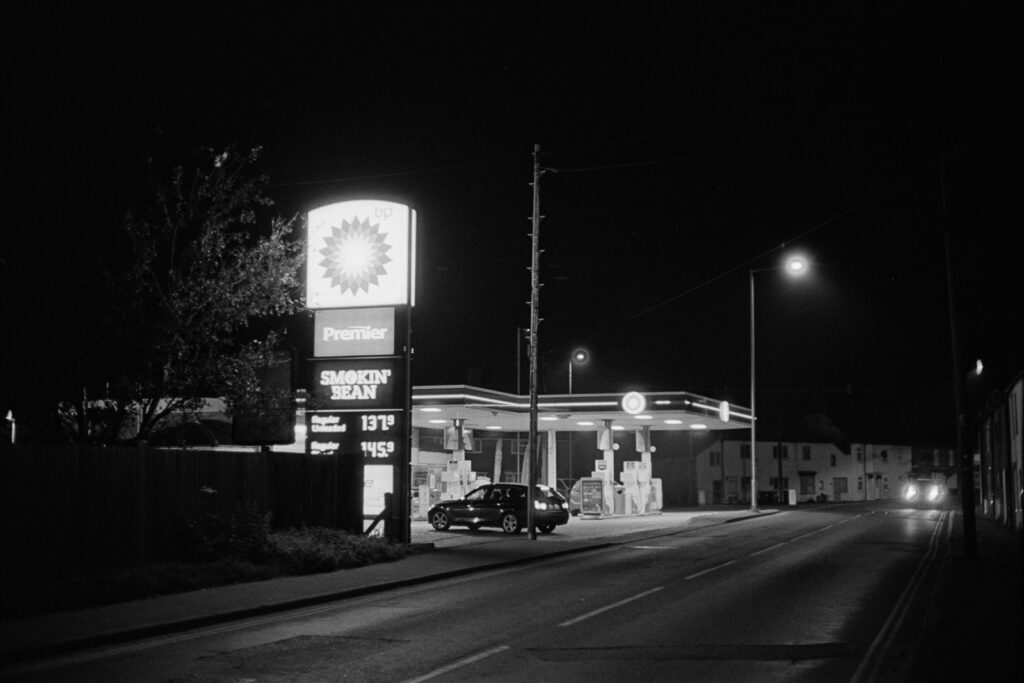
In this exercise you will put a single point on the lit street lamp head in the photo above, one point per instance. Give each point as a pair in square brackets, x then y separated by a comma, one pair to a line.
[578, 357]
[797, 266]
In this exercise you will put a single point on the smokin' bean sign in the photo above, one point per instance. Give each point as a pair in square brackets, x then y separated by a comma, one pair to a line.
[355, 383]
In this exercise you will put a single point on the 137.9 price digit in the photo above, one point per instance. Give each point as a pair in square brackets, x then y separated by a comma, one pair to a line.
[377, 422]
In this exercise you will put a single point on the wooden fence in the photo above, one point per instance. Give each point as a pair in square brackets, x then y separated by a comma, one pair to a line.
[86, 507]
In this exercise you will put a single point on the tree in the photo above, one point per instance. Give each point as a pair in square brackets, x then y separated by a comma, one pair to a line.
[199, 263]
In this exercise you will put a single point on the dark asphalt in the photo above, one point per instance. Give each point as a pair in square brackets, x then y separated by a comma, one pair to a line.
[973, 629]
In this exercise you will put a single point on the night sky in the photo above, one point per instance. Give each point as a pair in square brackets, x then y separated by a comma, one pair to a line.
[684, 148]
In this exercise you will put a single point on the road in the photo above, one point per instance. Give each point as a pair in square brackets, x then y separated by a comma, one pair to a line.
[830, 594]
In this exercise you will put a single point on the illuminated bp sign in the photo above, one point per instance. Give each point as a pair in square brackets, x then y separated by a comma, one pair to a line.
[360, 282]
[361, 253]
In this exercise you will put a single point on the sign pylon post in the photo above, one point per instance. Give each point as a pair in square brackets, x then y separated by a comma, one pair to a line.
[360, 281]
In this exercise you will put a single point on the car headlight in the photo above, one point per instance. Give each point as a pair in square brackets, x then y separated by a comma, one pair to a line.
[933, 493]
[911, 492]
[540, 505]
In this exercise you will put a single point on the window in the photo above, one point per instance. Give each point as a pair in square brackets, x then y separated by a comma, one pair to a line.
[860, 483]
[860, 454]
[807, 484]
[774, 483]
[780, 449]
[745, 450]
[832, 459]
[840, 485]
[806, 451]
[479, 494]
[885, 456]
[715, 459]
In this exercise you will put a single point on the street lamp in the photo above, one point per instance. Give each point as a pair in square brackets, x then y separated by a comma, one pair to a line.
[795, 266]
[578, 357]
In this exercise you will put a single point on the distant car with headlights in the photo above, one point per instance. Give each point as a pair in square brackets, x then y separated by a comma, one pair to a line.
[924, 493]
[503, 506]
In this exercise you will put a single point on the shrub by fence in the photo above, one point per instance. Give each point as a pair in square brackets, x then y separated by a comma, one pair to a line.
[85, 507]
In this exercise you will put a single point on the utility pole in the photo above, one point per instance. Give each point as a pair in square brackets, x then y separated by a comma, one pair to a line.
[753, 400]
[965, 451]
[778, 453]
[533, 445]
[963, 424]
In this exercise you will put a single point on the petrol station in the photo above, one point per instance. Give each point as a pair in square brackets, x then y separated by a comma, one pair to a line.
[465, 414]
[360, 285]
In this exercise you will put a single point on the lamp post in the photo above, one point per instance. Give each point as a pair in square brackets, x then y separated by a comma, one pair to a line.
[794, 266]
[578, 357]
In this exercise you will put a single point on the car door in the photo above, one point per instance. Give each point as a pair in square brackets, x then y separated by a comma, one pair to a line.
[493, 503]
[468, 509]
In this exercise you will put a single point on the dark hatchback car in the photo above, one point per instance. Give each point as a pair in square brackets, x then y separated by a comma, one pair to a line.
[502, 506]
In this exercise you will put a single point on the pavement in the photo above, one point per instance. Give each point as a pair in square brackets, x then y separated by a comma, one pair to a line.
[442, 555]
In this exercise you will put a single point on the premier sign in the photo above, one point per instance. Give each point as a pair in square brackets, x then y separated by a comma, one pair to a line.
[354, 332]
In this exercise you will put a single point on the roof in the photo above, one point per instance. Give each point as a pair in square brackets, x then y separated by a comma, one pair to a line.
[434, 407]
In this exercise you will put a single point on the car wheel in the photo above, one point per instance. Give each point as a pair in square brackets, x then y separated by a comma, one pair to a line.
[545, 528]
[439, 520]
[510, 523]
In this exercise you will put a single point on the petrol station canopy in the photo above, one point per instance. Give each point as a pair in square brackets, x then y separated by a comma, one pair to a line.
[435, 407]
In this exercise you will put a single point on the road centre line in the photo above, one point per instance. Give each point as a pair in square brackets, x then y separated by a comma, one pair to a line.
[878, 650]
[608, 607]
[771, 547]
[459, 664]
[708, 571]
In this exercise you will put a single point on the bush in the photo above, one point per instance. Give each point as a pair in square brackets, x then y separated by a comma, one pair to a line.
[243, 533]
[315, 549]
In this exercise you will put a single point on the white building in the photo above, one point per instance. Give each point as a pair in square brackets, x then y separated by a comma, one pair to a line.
[815, 471]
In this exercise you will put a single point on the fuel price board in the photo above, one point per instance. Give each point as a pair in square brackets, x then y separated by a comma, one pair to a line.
[376, 435]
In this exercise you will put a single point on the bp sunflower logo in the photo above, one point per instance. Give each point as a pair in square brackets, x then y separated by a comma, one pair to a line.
[355, 255]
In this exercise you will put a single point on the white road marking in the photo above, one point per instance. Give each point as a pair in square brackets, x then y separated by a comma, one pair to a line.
[877, 652]
[459, 664]
[708, 571]
[611, 606]
[771, 547]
